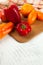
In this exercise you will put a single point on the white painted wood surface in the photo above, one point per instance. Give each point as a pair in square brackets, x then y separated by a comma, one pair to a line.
[15, 53]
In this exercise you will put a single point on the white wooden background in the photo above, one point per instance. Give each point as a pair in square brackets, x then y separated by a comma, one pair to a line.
[15, 53]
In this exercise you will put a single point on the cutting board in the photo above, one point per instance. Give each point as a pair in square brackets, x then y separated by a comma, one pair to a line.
[37, 28]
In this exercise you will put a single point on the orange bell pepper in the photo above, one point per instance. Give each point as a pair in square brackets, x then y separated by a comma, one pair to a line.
[32, 17]
[39, 15]
[5, 29]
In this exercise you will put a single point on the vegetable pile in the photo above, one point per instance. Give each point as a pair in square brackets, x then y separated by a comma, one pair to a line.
[12, 19]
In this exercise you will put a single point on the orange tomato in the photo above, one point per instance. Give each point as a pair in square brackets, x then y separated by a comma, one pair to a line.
[40, 15]
[32, 17]
[26, 9]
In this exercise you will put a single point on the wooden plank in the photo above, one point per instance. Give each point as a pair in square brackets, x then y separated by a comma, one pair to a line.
[37, 28]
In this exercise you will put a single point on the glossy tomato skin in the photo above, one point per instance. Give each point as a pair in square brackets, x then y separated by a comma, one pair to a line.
[23, 28]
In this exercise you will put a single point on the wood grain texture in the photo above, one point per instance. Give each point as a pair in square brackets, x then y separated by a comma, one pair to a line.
[37, 28]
